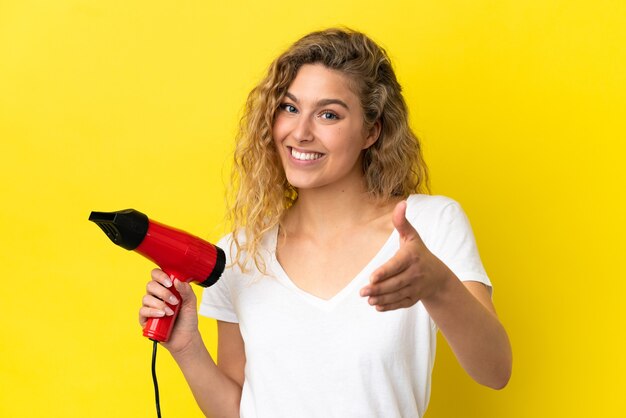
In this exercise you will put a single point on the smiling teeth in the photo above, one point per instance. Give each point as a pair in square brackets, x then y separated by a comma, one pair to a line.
[305, 156]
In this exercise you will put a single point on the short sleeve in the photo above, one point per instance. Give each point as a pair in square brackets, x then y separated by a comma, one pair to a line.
[217, 300]
[454, 244]
[446, 231]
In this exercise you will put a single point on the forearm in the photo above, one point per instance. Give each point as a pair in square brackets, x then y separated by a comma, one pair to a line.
[473, 331]
[217, 394]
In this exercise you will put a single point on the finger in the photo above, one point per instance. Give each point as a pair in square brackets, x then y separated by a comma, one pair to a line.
[146, 313]
[404, 303]
[186, 292]
[402, 224]
[153, 302]
[156, 289]
[392, 284]
[394, 266]
[161, 277]
[394, 297]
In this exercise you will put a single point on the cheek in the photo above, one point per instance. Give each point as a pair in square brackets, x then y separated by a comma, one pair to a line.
[278, 136]
[280, 129]
[275, 131]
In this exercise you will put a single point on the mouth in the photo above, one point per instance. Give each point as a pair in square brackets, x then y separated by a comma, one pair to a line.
[304, 156]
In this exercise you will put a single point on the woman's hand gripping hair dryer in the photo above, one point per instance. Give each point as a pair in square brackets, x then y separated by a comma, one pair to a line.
[177, 253]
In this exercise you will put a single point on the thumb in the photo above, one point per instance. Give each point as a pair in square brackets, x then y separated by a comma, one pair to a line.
[402, 224]
[185, 291]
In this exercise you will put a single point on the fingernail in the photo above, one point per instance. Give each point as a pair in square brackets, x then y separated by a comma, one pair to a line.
[168, 311]
[173, 300]
[372, 301]
[159, 313]
[168, 283]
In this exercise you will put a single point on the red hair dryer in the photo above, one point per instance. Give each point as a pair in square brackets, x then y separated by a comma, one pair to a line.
[177, 253]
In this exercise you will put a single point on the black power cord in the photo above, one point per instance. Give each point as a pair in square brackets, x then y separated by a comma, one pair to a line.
[154, 378]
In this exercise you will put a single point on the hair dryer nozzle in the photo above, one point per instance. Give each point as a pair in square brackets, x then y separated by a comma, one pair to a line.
[126, 228]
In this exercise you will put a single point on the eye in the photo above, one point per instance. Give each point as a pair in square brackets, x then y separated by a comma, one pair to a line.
[289, 108]
[328, 115]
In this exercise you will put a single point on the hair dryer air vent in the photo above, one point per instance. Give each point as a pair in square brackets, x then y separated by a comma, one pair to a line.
[126, 228]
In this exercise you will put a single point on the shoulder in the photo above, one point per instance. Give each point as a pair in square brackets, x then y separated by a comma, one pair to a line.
[429, 200]
[438, 219]
[234, 245]
[225, 241]
[430, 206]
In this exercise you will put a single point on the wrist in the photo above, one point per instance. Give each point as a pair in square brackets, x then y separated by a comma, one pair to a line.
[193, 345]
[444, 285]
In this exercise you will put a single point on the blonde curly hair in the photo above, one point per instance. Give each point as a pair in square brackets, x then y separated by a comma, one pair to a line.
[393, 167]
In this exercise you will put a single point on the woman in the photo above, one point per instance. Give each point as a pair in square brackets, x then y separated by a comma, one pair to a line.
[340, 269]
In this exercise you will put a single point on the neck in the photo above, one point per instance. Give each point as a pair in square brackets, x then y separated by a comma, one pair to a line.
[327, 211]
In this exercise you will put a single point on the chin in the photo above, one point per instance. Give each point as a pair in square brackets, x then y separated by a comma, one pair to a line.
[303, 184]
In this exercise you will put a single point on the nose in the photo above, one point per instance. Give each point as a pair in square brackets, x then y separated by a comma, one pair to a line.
[303, 131]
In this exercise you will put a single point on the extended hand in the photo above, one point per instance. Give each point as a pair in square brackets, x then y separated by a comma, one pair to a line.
[413, 273]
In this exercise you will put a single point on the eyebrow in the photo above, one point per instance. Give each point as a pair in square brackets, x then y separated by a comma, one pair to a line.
[322, 102]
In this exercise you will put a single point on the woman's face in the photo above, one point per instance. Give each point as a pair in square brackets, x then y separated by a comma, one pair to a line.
[319, 130]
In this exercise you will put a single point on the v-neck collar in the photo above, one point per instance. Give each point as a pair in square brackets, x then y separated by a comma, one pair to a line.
[351, 288]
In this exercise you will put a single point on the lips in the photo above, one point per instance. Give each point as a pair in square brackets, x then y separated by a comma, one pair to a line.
[305, 156]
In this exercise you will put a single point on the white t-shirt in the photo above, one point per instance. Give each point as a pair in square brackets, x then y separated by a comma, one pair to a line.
[310, 357]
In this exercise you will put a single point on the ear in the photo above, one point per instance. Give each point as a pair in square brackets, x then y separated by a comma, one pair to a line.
[372, 134]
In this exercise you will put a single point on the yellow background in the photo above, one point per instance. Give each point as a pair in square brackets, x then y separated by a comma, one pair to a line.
[106, 105]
